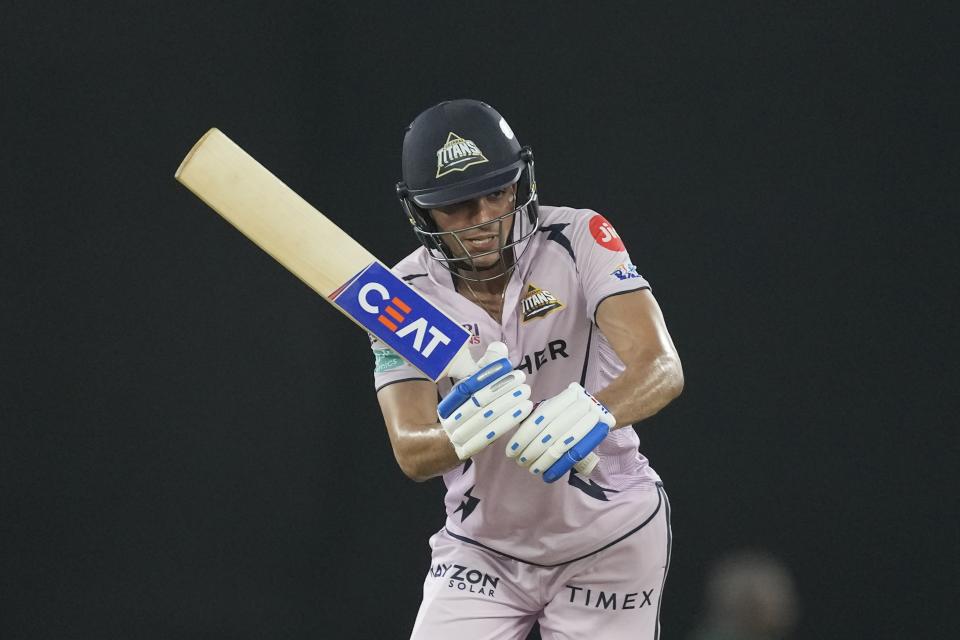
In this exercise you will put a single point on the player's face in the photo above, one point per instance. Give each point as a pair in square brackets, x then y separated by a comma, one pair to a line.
[480, 244]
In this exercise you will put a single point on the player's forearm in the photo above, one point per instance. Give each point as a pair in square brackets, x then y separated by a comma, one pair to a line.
[644, 388]
[424, 452]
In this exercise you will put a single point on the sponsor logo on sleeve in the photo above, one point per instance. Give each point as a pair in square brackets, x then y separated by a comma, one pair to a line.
[538, 303]
[386, 360]
[457, 154]
[605, 235]
[625, 271]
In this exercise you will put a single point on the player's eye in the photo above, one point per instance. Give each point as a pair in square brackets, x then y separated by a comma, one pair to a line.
[454, 209]
[496, 195]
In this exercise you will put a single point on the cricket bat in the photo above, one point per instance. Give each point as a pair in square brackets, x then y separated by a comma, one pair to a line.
[328, 260]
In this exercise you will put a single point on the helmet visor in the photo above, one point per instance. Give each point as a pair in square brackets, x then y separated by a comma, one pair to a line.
[433, 198]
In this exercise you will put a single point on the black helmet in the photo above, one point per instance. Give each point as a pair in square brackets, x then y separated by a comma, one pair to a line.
[456, 151]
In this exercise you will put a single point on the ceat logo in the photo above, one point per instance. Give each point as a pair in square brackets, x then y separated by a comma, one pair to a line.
[605, 235]
[394, 318]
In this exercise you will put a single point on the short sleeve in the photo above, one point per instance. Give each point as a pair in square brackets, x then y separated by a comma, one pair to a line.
[389, 367]
[603, 262]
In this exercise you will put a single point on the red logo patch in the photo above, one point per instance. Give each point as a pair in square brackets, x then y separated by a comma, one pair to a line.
[604, 233]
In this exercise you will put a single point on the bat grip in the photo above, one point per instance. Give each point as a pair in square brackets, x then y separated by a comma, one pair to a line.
[586, 466]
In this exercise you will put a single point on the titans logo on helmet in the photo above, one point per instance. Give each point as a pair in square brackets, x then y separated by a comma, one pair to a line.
[457, 154]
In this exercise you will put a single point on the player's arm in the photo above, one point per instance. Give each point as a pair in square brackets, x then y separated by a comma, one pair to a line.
[420, 444]
[633, 324]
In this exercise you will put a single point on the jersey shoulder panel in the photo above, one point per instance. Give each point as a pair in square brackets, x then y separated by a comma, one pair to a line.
[555, 231]
[570, 229]
[414, 267]
[603, 264]
[569, 215]
[577, 222]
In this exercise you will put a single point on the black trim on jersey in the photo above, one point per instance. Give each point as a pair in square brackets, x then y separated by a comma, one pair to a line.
[586, 358]
[616, 293]
[413, 276]
[556, 234]
[660, 499]
[666, 569]
[387, 384]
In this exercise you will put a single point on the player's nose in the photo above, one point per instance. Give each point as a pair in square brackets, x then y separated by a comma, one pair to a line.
[484, 211]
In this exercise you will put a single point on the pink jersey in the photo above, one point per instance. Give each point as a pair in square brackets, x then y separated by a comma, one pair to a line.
[569, 267]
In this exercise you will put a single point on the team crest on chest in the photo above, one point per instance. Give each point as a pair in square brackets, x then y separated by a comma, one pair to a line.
[538, 303]
[457, 154]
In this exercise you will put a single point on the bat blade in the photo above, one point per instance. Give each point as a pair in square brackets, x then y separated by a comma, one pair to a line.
[323, 256]
[271, 214]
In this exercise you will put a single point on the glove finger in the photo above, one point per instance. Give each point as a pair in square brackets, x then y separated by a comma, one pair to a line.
[566, 440]
[462, 391]
[554, 430]
[495, 429]
[473, 402]
[540, 419]
[504, 384]
[495, 351]
[502, 405]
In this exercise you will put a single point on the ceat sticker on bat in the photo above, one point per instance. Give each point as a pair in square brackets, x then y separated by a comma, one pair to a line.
[390, 309]
[604, 233]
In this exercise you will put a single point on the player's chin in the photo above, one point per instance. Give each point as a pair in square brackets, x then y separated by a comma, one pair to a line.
[482, 262]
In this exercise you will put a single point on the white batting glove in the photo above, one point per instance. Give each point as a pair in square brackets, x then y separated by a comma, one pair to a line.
[561, 432]
[481, 408]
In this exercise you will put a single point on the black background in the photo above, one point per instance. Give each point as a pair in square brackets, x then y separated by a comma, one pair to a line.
[191, 444]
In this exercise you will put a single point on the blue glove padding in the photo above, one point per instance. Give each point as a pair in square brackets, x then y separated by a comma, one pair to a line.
[462, 391]
[579, 451]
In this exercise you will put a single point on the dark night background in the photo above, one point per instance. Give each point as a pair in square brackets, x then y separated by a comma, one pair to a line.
[191, 443]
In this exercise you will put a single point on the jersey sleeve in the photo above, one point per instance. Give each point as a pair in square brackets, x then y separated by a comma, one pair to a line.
[603, 263]
[389, 367]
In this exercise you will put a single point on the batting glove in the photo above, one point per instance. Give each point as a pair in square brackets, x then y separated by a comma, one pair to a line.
[486, 405]
[562, 431]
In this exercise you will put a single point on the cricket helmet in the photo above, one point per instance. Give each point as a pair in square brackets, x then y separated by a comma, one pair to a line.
[456, 151]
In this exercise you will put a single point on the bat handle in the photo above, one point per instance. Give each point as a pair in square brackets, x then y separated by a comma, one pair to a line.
[463, 365]
[586, 466]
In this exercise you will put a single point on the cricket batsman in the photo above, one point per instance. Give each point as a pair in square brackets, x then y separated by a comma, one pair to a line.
[572, 350]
